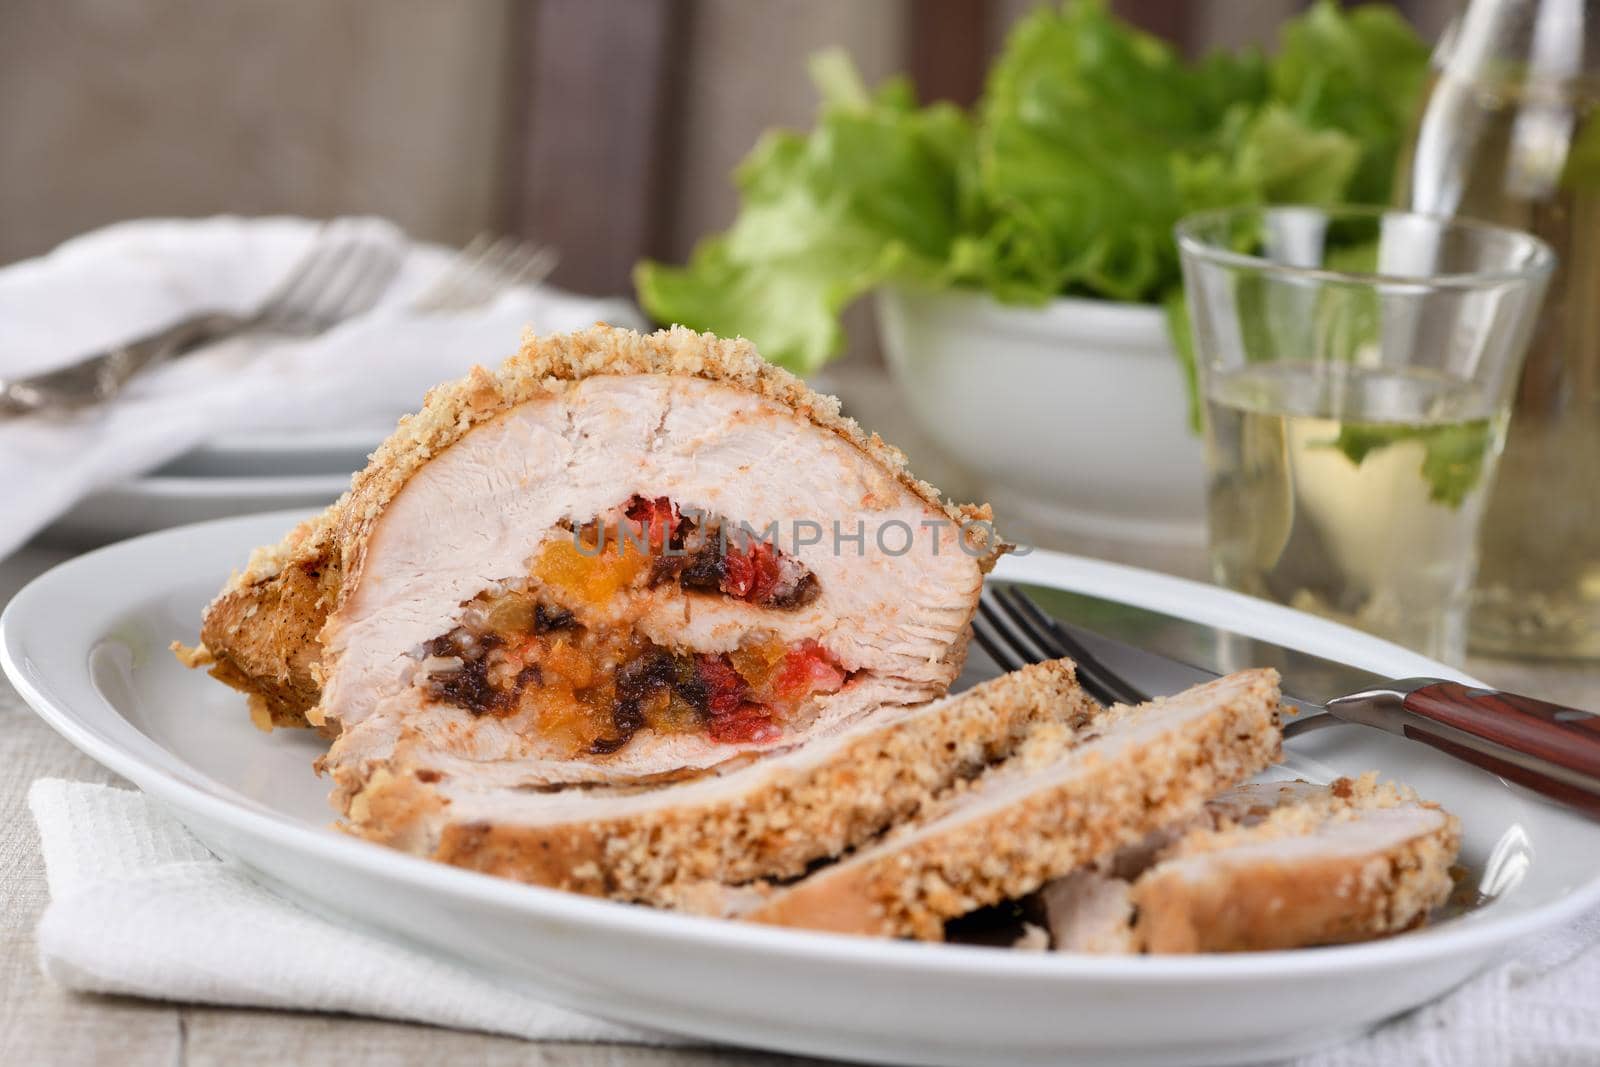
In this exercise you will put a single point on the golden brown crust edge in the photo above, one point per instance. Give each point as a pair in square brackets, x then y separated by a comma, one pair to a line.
[262, 629]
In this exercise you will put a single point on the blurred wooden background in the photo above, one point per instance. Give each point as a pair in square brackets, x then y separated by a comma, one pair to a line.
[608, 127]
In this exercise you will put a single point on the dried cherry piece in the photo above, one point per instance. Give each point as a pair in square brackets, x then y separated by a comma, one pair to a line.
[658, 516]
[807, 668]
[723, 687]
[747, 724]
[738, 574]
[768, 572]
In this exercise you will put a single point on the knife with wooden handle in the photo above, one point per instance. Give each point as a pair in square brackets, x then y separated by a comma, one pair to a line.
[1544, 746]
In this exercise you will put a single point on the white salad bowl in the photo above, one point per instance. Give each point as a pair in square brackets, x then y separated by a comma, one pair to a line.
[1072, 416]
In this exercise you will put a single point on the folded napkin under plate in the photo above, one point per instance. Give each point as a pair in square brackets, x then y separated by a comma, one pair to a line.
[139, 907]
[124, 281]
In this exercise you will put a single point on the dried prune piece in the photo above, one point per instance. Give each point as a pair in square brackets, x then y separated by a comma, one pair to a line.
[604, 746]
[444, 646]
[468, 688]
[627, 716]
[796, 595]
[664, 570]
[546, 619]
[704, 570]
[691, 688]
[640, 677]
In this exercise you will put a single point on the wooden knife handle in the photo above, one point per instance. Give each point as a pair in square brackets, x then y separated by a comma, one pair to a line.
[1547, 747]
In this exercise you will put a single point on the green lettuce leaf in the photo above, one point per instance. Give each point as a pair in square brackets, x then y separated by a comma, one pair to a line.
[1092, 141]
[1360, 72]
[876, 191]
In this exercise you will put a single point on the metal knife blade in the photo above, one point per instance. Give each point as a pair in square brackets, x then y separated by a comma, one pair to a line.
[1163, 654]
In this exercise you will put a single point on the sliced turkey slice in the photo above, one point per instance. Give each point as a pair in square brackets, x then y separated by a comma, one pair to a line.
[1270, 866]
[1070, 797]
[769, 819]
[1088, 910]
[463, 594]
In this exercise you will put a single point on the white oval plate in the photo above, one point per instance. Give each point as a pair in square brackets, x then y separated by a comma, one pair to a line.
[86, 644]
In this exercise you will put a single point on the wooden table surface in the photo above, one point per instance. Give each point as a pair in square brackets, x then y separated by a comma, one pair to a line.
[42, 1024]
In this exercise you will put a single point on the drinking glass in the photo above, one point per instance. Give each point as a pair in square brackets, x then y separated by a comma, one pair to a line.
[1357, 367]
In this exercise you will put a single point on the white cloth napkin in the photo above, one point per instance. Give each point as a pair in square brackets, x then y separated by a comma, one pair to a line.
[124, 281]
[139, 907]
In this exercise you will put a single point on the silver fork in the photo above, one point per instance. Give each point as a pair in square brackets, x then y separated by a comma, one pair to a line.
[1014, 632]
[337, 279]
[484, 269]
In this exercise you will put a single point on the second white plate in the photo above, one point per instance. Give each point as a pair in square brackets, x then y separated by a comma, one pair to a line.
[156, 502]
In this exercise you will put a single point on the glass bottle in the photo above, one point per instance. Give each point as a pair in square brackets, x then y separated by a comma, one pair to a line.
[1509, 132]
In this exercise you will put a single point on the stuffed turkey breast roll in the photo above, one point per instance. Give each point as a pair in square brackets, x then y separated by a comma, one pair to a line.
[620, 558]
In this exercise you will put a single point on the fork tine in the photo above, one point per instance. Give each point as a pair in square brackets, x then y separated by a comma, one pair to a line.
[302, 266]
[1105, 684]
[343, 285]
[1014, 650]
[306, 278]
[483, 269]
[382, 265]
[1002, 656]
[445, 288]
[543, 264]
[525, 263]
[532, 258]
[471, 282]
[507, 271]
[344, 279]
[484, 280]
[1022, 614]
[444, 291]
[350, 263]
